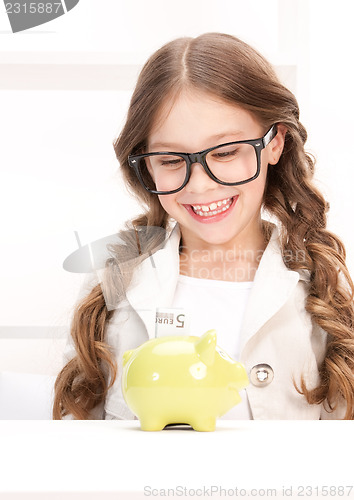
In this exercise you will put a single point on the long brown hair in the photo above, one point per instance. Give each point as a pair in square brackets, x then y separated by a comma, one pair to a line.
[226, 67]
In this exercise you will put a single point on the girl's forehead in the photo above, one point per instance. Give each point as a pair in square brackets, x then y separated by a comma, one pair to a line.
[192, 104]
[194, 117]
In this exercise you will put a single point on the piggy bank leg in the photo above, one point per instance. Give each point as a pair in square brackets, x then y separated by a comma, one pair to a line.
[204, 424]
[152, 424]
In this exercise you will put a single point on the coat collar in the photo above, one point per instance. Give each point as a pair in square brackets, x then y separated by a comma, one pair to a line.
[155, 280]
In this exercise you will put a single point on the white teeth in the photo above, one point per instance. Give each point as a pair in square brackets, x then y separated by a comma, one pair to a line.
[227, 204]
[212, 206]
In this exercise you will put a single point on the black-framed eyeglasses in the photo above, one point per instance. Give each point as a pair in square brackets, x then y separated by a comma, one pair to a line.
[230, 164]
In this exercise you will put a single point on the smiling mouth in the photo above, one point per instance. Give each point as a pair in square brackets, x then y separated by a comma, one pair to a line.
[215, 208]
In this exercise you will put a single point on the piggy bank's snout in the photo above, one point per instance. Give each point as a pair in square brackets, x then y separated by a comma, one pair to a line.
[241, 378]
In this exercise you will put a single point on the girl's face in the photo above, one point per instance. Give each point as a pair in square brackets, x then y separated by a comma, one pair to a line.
[197, 121]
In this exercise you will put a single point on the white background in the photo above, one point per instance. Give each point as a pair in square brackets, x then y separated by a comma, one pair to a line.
[64, 93]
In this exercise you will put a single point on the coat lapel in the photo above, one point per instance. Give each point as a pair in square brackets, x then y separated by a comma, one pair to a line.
[155, 281]
[273, 285]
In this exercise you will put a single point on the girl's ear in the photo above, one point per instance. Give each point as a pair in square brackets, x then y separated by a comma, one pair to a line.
[276, 146]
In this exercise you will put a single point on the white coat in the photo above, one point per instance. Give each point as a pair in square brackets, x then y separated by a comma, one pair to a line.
[276, 331]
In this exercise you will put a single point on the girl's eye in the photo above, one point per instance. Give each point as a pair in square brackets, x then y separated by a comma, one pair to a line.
[171, 162]
[224, 154]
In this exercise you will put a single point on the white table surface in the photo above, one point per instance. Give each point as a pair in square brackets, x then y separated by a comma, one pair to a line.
[115, 459]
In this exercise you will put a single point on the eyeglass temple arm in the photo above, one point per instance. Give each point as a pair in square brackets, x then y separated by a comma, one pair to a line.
[272, 132]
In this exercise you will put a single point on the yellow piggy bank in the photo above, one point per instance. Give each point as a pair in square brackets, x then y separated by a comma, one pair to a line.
[181, 379]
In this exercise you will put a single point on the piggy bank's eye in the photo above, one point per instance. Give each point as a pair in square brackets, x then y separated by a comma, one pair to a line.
[223, 354]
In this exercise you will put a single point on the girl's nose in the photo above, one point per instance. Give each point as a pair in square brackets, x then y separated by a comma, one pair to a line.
[199, 180]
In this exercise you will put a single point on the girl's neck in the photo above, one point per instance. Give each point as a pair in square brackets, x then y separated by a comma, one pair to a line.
[234, 262]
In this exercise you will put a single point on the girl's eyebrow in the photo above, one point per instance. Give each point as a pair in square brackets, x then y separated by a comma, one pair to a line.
[176, 147]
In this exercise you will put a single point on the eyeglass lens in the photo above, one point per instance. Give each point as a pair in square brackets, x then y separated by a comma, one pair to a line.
[232, 163]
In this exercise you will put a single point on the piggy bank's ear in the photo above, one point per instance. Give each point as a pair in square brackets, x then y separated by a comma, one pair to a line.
[205, 346]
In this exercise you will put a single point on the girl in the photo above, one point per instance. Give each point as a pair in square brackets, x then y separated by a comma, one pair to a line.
[233, 232]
